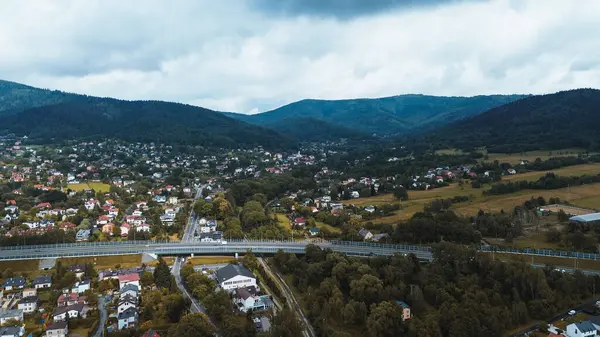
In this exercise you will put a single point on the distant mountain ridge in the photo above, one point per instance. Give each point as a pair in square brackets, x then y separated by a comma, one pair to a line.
[48, 115]
[384, 116]
[561, 120]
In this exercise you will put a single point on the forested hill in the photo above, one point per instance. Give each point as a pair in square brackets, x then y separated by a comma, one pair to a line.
[554, 121]
[48, 115]
[384, 116]
[314, 130]
[90, 117]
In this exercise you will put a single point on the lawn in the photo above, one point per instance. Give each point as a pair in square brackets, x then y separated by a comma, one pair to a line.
[22, 266]
[331, 229]
[106, 262]
[203, 260]
[284, 221]
[515, 158]
[96, 186]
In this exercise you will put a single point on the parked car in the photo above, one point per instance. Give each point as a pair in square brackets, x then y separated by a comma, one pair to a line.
[572, 312]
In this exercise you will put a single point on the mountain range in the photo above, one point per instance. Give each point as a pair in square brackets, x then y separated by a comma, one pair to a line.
[395, 115]
[500, 122]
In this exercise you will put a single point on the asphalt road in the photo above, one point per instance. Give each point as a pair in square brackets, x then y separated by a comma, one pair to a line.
[102, 308]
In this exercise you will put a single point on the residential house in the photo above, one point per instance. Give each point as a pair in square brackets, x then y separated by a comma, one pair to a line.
[125, 227]
[77, 269]
[126, 302]
[66, 300]
[583, 329]
[512, 171]
[17, 282]
[380, 237]
[127, 319]
[129, 290]
[28, 304]
[142, 228]
[108, 228]
[7, 315]
[91, 204]
[126, 279]
[12, 331]
[406, 314]
[67, 226]
[42, 282]
[29, 292]
[299, 222]
[235, 276]
[83, 235]
[81, 286]
[370, 209]
[314, 231]
[246, 299]
[74, 311]
[365, 234]
[102, 220]
[57, 329]
[173, 200]
[354, 195]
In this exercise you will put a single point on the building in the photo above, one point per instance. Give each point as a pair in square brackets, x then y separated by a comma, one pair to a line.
[77, 269]
[129, 279]
[81, 286]
[583, 329]
[28, 304]
[12, 331]
[41, 282]
[57, 329]
[14, 283]
[7, 315]
[29, 292]
[129, 290]
[235, 276]
[83, 235]
[365, 234]
[126, 302]
[74, 311]
[406, 314]
[127, 319]
[246, 299]
[592, 217]
[66, 300]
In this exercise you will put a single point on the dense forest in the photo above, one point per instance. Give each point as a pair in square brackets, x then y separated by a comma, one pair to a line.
[384, 116]
[459, 294]
[565, 119]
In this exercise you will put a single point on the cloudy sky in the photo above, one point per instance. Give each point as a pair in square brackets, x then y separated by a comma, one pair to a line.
[254, 55]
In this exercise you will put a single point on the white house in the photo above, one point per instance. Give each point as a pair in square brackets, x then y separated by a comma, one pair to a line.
[74, 311]
[246, 299]
[126, 302]
[12, 331]
[129, 279]
[127, 319]
[91, 204]
[15, 314]
[129, 290]
[583, 329]
[143, 228]
[235, 276]
[81, 286]
[28, 304]
[57, 329]
[41, 282]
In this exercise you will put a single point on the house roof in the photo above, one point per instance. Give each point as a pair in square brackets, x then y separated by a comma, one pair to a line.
[586, 217]
[57, 325]
[128, 299]
[150, 333]
[11, 313]
[10, 331]
[29, 299]
[14, 281]
[128, 313]
[129, 287]
[231, 271]
[403, 304]
[61, 310]
[363, 232]
[129, 277]
[585, 326]
[42, 279]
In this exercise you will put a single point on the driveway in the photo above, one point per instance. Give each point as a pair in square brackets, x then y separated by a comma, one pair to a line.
[102, 308]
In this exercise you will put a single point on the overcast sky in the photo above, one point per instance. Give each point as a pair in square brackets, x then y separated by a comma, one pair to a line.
[255, 55]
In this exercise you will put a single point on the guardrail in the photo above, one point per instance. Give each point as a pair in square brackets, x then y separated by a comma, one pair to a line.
[541, 252]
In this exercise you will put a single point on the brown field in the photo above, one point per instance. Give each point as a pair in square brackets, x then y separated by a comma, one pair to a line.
[585, 196]
[21, 266]
[576, 170]
[515, 158]
[106, 262]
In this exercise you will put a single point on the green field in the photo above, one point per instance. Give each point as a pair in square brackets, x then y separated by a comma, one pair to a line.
[96, 186]
[515, 158]
[106, 262]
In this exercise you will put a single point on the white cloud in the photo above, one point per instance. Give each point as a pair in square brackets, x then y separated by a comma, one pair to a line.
[246, 59]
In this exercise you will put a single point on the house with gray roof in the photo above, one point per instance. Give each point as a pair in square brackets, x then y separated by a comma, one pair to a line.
[42, 282]
[583, 329]
[234, 276]
[12, 331]
[14, 283]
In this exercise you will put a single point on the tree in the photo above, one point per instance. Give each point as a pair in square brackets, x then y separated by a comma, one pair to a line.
[116, 231]
[286, 324]
[162, 274]
[400, 193]
[562, 216]
[146, 279]
[193, 325]
[218, 305]
[385, 320]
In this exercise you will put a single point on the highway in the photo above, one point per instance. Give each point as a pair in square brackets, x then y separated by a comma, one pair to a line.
[198, 248]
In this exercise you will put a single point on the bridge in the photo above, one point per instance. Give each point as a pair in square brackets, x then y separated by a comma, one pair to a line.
[84, 249]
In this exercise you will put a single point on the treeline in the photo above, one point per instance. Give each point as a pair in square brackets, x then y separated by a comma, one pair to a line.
[459, 293]
[550, 181]
[49, 237]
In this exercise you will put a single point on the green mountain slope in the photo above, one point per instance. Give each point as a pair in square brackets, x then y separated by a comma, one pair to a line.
[314, 130]
[384, 116]
[555, 121]
[51, 115]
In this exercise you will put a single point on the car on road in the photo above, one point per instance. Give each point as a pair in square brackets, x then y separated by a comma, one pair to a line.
[223, 242]
[572, 312]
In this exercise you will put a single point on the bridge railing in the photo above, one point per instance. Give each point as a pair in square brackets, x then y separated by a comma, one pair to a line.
[383, 245]
[541, 252]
